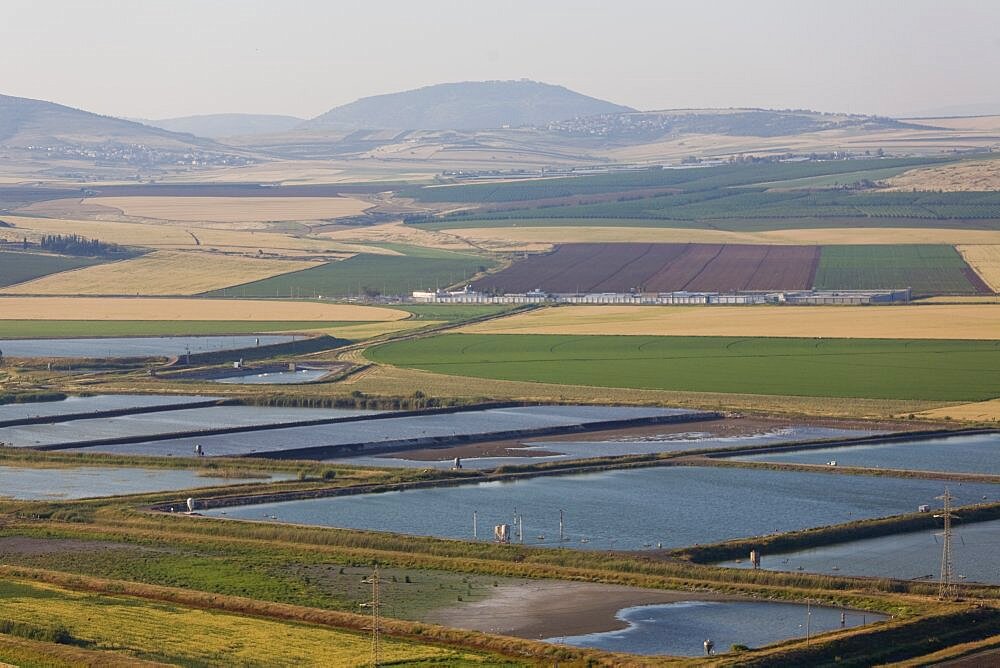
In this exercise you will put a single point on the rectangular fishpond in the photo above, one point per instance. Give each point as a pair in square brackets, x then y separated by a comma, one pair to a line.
[134, 346]
[570, 450]
[667, 507]
[907, 556]
[970, 453]
[94, 404]
[164, 422]
[352, 436]
[18, 482]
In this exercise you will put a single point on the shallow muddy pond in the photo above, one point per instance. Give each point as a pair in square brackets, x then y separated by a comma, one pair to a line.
[681, 628]
[388, 428]
[975, 453]
[139, 346]
[91, 481]
[908, 556]
[626, 509]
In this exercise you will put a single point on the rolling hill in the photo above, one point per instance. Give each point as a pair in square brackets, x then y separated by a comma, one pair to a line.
[469, 105]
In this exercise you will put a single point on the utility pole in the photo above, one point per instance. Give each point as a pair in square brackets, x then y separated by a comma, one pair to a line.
[947, 588]
[374, 605]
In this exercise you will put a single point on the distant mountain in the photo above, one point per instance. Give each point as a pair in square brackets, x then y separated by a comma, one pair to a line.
[470, 105]
[53, 131]
[217, 126]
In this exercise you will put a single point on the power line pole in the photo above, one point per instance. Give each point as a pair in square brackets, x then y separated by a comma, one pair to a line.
[947, 587]
[374, 605]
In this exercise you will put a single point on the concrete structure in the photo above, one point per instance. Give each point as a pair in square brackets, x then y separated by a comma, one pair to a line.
[811, 297]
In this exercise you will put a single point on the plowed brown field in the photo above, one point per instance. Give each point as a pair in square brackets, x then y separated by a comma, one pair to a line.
[660, 268]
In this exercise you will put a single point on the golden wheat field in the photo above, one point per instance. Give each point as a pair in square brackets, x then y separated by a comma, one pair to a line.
[980, 411]
[940, 321]
[182, 237]
[523, 237]
[160, 273]
[234, 209]
[961, 176]
[145, 308]
[986, 261]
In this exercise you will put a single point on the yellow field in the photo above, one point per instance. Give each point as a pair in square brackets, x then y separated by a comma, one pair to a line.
[942, 321]
[140, 308]
[399, 233]
[986, 261]
[519, 237]
[981, 411]
[180, 237]
[961, 176]
[234, 209]
[200, 637]
[160, 273]
[962, 299]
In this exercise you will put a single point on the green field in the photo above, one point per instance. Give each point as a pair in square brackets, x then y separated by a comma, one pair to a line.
[26, 329]
[863, 368]
[370, 275]
[928, 269]
[20, 267]
[453, 312]
[689, 180]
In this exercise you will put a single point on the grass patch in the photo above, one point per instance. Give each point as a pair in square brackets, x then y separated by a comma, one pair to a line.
[930, 269]
[864, 368]
[370, 275]
[454, 312]
[20, 267]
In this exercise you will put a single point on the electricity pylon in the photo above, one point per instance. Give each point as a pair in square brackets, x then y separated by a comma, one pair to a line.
[947, 588]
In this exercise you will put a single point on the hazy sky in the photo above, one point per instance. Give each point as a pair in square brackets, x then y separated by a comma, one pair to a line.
[160, 58]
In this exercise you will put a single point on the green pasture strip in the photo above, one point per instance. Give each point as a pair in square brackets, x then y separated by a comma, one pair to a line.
[454, 312]
[368, 274]
[26, 329]
[862, 368]
[20, 267]
[928, 269]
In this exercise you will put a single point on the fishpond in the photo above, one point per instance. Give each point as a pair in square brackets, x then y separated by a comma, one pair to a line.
[570, 450]
[390, 429]
[19, 482]
[681, 628]
[164, 422]
[666, 506]
[970, 453]
[138, 346]
[907, 556]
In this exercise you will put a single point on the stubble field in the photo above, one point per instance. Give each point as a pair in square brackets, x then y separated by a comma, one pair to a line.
[124, 308]
[940, 321]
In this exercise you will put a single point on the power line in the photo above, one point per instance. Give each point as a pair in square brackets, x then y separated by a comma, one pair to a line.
[374, 604]
[947, 587]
